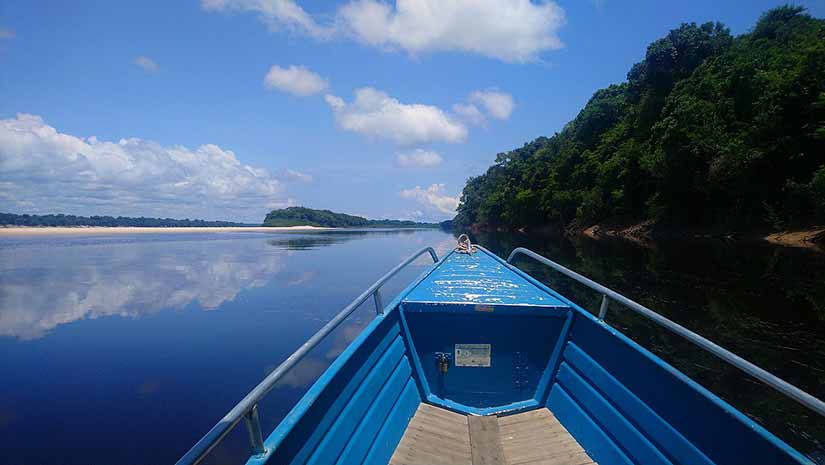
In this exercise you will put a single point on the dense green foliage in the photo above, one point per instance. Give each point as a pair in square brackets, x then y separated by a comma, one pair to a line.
[302, 216]
[707, 130]
[72, 220]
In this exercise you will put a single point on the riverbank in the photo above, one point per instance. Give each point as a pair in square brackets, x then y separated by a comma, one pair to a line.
[649, 231]
[810, 238]
[94, 230]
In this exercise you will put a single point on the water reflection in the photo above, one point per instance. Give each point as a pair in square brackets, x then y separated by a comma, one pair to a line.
[764, 302]
[109, 374]
[47, 283]
[310, 368]
[310, 241]
[51, 286]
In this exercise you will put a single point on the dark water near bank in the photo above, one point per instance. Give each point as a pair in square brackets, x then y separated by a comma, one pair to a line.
[126, 349]
[763, 302]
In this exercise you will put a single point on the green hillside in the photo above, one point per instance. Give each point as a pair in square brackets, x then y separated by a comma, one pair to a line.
[708, 129]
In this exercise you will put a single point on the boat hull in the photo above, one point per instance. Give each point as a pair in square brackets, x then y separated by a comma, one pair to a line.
[619, 402]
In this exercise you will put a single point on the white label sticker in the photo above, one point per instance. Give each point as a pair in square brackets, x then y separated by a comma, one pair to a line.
[472, 355]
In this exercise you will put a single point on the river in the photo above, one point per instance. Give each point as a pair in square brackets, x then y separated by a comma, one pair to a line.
[127, 348]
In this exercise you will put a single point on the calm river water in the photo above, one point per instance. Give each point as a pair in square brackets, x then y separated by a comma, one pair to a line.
[127, 348]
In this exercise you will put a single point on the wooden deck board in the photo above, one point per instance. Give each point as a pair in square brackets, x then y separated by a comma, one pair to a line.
[439, 437]
[434, 437]
[537, 438]
[485, 444]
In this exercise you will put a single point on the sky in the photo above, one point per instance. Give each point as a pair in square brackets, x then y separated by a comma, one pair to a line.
[226, 109]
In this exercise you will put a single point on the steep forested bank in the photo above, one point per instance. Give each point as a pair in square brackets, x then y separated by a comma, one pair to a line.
[709, 130]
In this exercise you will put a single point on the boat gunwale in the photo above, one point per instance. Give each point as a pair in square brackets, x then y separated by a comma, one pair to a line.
[290, 420]
[246, 409]
[718, 401]
[276, 437]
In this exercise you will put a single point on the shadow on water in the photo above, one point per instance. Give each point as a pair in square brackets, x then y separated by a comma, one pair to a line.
[314, 240]
[763, 302]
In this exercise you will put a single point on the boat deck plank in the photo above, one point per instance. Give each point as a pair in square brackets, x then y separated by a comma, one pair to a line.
[484, 441]
[537, 438]
[439, 437]
[434, 437]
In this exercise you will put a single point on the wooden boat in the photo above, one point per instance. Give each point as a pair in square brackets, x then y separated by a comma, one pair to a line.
[478, 363]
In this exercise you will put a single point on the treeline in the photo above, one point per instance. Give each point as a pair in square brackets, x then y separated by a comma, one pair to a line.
[302, 216]
[708, 129]
[11, 219]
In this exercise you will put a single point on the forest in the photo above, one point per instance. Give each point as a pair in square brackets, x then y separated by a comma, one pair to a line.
[12, 219]
[302, 216]
[709, 130]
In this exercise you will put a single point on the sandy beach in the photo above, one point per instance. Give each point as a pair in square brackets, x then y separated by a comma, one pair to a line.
[808, 238]
[90, 230]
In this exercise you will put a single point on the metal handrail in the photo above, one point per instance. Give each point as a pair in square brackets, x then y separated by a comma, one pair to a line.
[771, 380]
[247, 408]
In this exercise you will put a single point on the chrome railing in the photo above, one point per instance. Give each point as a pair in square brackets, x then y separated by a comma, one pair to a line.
[247, 408]
[771, 380]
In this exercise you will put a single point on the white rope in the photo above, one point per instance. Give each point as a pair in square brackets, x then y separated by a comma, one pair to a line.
[464, 245]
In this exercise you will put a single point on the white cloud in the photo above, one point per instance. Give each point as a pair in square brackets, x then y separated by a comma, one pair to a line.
[509, 30]
[146, 63]
[377, 115]
[432, 197]
[296, 80]
[7, 33]
[337, 103]
[276, 14]
[499, 105]
[469, 113]
[414, 215]
[419, 158]
[294, 175]
[43, 170]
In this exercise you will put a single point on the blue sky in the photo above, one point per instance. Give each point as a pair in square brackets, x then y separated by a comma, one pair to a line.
[224, 109]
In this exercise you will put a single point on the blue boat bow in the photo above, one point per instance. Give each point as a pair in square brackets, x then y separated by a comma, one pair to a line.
[477, 362]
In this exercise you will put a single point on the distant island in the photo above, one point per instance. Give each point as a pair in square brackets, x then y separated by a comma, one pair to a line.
[286, 217]
[58, 220]
[710, 134]
[302, 216]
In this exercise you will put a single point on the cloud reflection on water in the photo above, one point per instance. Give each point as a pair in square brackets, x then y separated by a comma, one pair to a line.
[45, 283]
[46, 286]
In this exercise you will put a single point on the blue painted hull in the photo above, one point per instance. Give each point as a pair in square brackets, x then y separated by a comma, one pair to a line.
[477, 336]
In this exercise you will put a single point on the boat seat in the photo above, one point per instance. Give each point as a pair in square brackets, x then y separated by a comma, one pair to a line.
[436, 436]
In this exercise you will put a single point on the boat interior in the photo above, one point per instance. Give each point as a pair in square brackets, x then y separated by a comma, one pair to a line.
[478, 363]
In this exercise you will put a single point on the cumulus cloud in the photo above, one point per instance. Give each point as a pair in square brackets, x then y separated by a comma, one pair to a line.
[276, 14]
[146, 63]
[414, 215]
[7, 33]
[469, 112]
[296, 80]
[419, 158]
[43, 170]
[509, 30]
[377, 115]
[294, 175]
[433, 197]
[499, 105]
